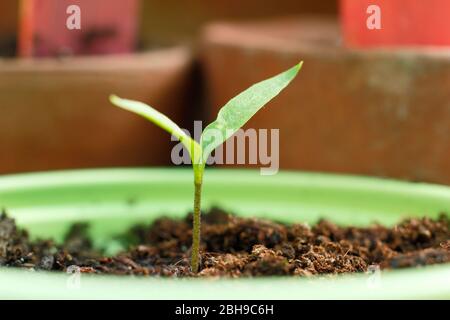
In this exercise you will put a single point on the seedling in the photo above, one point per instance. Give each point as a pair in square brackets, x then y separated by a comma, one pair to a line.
[231, 117]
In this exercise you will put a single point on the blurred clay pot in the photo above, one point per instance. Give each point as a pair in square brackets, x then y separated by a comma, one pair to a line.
[377, 112]
[55, 113]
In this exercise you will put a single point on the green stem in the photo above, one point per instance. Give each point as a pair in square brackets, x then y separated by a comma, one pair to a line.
[198, 178]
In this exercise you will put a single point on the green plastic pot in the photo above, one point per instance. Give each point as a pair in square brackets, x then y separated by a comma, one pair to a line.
[114, 199]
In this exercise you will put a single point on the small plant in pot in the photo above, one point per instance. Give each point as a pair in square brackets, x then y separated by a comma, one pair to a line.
[279, 243]
[230, 118]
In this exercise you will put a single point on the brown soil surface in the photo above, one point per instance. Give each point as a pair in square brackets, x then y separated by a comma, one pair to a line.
[233, 246]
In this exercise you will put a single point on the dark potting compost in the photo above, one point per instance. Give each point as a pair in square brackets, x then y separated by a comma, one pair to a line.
[235, 247]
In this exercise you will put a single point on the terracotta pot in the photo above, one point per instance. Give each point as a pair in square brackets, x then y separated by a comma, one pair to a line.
[56, 114]
[376, 112]
[8, 27]
[401, 22]
[172, 21]
[62, 27]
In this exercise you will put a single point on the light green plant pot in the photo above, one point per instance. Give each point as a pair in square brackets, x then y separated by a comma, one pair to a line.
[114, 199]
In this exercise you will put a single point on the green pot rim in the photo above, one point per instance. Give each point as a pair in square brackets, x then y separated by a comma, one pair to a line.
[114, 199]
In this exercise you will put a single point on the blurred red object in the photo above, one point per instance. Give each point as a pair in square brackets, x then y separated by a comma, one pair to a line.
[107, 26]
[403, 23]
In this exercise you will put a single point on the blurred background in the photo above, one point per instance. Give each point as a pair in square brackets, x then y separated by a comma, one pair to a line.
[373, 97]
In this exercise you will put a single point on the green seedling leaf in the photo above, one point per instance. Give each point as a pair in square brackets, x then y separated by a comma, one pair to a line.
[231, 117]
[161, 121]
[241, 108]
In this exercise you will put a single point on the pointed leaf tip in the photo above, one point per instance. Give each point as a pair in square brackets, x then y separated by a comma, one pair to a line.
[297, 67]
